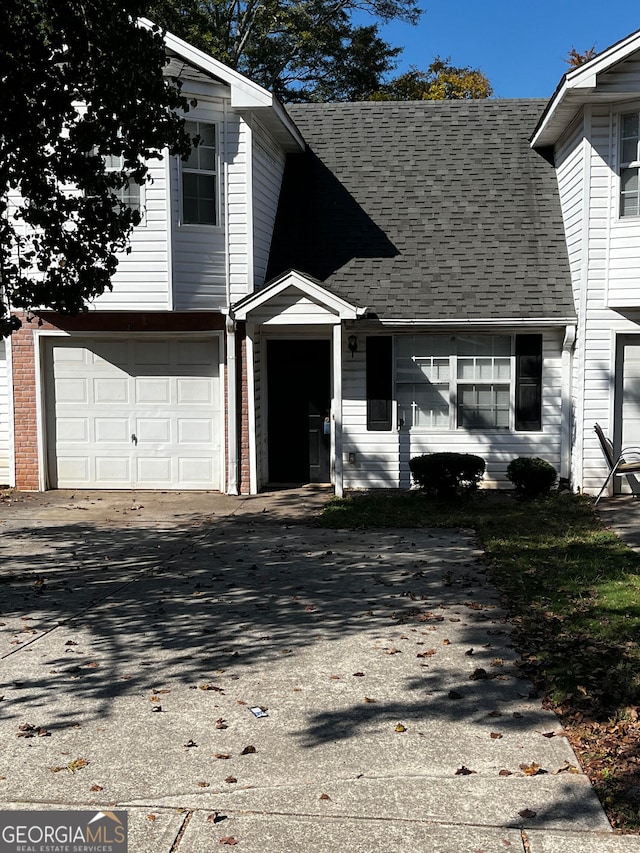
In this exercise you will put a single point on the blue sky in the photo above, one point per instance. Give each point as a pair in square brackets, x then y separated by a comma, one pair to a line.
[520, 46]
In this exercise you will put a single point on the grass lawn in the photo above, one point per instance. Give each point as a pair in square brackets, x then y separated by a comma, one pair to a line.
[573, 591]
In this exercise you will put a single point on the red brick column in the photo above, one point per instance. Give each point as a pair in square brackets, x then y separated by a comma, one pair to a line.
[25, 430]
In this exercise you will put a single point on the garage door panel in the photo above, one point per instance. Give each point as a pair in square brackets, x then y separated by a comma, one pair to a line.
[195, 470]
[113, 470]
[108, 430]
[73, 429]
[152, 390]
[195, 391]
[126, 414]
[72, 391]
[195, 431]
[153, 429]
[74, 469]
[153, 472]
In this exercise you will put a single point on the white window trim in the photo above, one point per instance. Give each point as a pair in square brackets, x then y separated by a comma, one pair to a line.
[143, 200]
[627, 109]
[202, 226]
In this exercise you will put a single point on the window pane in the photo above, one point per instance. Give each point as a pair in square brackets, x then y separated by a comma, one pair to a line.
[629, 150]
[630, 125]
[130, 195]
[484, 345]
[630, 196]
[432, 406]
[207, 159]
[483, 406]
[207, 135]
[198, 199]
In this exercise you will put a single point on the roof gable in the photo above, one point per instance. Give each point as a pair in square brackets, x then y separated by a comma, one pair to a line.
[246, 95]
[294, 288]
[612, 75]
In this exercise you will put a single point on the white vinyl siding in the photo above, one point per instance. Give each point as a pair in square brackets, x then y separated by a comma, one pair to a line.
[142, 277]
[382, 458]
[238, 156]
[199, 255]
[268, 168]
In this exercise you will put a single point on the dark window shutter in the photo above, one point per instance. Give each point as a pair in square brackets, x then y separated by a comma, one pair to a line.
[379, 382]
[528, 382]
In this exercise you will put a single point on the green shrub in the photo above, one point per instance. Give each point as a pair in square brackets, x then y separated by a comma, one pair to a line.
[531, 476]
[447, 474]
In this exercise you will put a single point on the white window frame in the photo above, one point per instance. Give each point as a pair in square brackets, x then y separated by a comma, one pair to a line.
[455, 383]
[215, 173]
[141, 206]
[628, 164]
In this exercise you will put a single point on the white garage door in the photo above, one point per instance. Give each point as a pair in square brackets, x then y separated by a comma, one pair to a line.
[127, 414]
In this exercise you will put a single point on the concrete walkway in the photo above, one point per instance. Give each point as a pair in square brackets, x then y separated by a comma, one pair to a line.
[138, 630]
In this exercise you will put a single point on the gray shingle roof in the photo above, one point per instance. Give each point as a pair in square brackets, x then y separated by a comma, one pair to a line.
[433, 210]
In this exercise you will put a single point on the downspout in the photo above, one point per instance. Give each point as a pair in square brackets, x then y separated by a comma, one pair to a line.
[566, 424]
[232, 406]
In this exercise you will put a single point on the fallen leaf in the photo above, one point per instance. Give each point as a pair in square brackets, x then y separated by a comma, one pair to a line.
[469, 652]
[505, 773]
[96, 788]
[532, 769]
[211, 687]
[325, 797]
[478, 674]
[248, 750]
[400, 728]
[464, 771]
[453, 694]
[77, 764]
[446, 642]
[230, 780]
[358, 674]
[190, 743]
[151, 817]
[496, 735]
[221, 724]
[204, 784]
[567, 768]
[369, 701]
[228, 839]
[222, 755]
[527, 813]
[426, 654]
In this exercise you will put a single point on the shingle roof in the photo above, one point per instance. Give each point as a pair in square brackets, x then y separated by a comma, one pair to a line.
[429, 210]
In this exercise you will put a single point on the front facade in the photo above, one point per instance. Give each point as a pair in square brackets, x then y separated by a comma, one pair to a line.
[320, 294]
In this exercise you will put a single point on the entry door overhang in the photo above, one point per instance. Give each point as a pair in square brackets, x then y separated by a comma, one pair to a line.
[295, 299]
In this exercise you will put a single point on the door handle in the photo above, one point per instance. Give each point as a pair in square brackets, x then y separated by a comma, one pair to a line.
[134, 438]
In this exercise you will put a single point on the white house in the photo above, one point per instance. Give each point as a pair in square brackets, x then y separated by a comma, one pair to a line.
[322, 292]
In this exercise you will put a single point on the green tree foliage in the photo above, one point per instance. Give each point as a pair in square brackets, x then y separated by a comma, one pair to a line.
[301, 50]
[442, 81]
[59, 238]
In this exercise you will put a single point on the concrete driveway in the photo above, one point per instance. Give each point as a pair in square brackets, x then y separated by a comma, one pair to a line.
[139, 630]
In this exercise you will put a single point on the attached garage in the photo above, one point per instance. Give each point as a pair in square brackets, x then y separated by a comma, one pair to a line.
[140, 413]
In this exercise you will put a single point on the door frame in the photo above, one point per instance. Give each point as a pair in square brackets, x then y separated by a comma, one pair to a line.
[333, 334]
[621, 341]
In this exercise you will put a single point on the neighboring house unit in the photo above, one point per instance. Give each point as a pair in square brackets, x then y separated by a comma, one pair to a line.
[320, 293]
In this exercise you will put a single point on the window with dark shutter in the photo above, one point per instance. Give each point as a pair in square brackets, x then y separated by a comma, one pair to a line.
[528, 382]
[379, 382]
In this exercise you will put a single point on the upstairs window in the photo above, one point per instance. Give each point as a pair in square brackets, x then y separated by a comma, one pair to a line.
[199, 177]
[129, 194]
[630, 165]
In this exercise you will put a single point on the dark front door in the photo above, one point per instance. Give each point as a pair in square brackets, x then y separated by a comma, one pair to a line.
[299, 395]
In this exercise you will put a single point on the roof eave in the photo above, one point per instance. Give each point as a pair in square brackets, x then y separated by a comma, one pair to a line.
[577, 88]
[245, 94]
